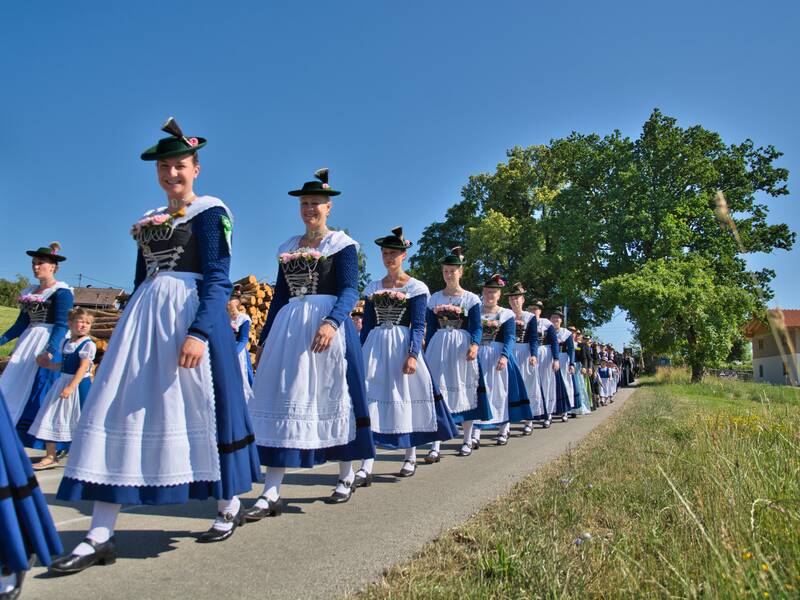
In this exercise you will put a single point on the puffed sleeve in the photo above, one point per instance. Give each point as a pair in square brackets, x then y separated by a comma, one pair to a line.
[417, 307]
[279, 300]
[474, 324]
[242, 336]
[215, 261]
[369, 320]
[533, 335]
[88, 350]
[431, 325]
[62, 303]
[20, 325]
[508, 332]
[346, 264]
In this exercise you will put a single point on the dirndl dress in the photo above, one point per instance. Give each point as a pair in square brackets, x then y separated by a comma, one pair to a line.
[548, 350]
[241, 329]
[58, 416]
[152, 432]
[506, 388]
[40, 327]
[453, 324]
[405, 410]
[310, 407]
[565, 391]
[527, 345]
[26, 527]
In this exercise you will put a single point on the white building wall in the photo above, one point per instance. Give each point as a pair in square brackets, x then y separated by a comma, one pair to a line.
[772, 369]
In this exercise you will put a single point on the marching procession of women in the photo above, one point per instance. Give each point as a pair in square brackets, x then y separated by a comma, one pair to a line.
[175, 410]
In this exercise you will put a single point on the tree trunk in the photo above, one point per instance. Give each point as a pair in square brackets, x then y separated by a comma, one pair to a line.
[694, 361]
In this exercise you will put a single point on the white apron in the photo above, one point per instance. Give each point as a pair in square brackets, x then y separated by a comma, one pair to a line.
[16, 381]
[530, 374]
[455, 377]
[496, 382]
[146, 421]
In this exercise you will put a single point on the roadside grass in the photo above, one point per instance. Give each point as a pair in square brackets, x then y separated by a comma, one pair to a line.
[692, 491]
[7, 317]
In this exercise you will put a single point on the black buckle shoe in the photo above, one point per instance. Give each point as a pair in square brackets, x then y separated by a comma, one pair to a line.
[502, 440]
[274, 508]
[475, 444]
[362, 482]
[104, 554]
[408, 472]
[14, 593]
[546, 424]
[432, 457]
[338, 497]
[527, 429]
[465, 450]
[217, 535]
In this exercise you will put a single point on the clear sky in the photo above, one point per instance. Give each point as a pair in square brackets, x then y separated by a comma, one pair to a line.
[402, 100]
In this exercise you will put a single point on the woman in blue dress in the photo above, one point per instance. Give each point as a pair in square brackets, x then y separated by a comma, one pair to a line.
[26, 527]
[565, 391]
[41, 328]
[452, 336]
[165, 420]
[405, 410]
[309, 402]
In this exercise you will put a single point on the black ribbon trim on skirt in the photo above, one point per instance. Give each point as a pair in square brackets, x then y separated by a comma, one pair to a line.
[519, 403]
[237, 445]
[362, 422]
[19, 492]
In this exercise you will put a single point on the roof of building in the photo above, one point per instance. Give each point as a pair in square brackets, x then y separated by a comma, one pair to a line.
[95, 296]
[791, 318]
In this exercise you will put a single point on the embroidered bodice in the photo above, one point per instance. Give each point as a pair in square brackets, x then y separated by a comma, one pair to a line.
[521, 326]
[168, 248]
[40, 308]
[309, 274]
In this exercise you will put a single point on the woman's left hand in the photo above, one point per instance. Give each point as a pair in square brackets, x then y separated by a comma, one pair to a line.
[409, 365]
[322, 341]
[501, 364]
[191, 352]
[43, 360]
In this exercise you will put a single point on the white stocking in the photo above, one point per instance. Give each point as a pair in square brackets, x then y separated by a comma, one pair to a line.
[272, 486]
[104, 520]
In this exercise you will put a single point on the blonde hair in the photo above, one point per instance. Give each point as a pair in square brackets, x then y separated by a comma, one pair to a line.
[78, 312]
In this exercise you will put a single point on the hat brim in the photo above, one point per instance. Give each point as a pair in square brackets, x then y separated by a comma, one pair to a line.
[44, 255]
[392, 245]
[453, 262]
[298, 193]
[152, 152]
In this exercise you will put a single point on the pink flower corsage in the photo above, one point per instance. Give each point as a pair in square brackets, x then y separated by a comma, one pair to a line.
[193, 141]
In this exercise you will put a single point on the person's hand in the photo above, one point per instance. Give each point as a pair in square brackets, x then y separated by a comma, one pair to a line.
[583, 371]
[322, 341]
[533, 361]
[191, 352]
[409, 365]
[66, 392]
[43, 360]
[501, 364]
[571, 369]
[472, 353]
[556, 365]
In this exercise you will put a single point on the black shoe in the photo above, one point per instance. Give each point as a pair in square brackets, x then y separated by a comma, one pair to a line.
[546, 424]
[14, 594]
[476, 444]
[564, 418]
[408, 472]
[338, 497]
[360, 481]
[527, 429]
[502, 440]
[217, 535]
[465, 450]
[104, 554]
[273, 509]
[432, 457]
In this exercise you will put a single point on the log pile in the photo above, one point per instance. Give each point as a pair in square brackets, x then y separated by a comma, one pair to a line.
[102, 327]
[255, 299]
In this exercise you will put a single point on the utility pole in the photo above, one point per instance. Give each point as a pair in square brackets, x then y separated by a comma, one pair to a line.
[80, 279]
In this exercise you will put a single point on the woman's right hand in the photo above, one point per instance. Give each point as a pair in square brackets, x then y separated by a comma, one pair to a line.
[556, 365]
[472, 353]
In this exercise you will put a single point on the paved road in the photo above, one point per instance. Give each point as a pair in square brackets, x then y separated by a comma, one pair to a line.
[314, 550]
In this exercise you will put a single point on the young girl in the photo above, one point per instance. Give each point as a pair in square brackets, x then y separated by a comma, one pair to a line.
[241, 323]
[61, 409]
[605, 383]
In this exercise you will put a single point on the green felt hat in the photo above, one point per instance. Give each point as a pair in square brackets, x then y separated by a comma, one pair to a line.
[175, 145]
[495, 281]
[396, 241]
[517, 289]
[456, 257]
[557, 312]
[316, 188]
[49, 253]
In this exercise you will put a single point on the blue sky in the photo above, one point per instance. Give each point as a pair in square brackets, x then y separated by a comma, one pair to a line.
[402, 100]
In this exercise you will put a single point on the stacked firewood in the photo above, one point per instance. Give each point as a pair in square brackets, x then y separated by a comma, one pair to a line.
[255, 299]
[102, 327]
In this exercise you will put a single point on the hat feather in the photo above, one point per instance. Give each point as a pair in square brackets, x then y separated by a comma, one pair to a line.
[398, 232]
[322, 174]
[55, 247]
[171, 127]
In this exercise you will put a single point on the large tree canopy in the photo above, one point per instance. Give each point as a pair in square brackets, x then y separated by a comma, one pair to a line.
[568, 217]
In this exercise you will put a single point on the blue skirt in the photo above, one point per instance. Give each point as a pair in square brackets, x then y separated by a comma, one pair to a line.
[445, 430]
[482, 412]
[238, 459]
[519, 405]
[362, 446]
[563, 405]
[26, 527]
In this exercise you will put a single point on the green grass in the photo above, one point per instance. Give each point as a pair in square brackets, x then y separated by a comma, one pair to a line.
[7, 317]
[691, 492]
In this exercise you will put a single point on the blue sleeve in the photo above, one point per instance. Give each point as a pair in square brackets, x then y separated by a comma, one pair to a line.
[508, 330]
[242, 336]
[552, 339]
[474, 325]
[279, 300]
[62, 304]
[533, 335]
[571, 350]
[346, 264]
[417, 306]
[20, 325]
[215, 261]
[369, 320]
[141, 270]
[431, 325]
